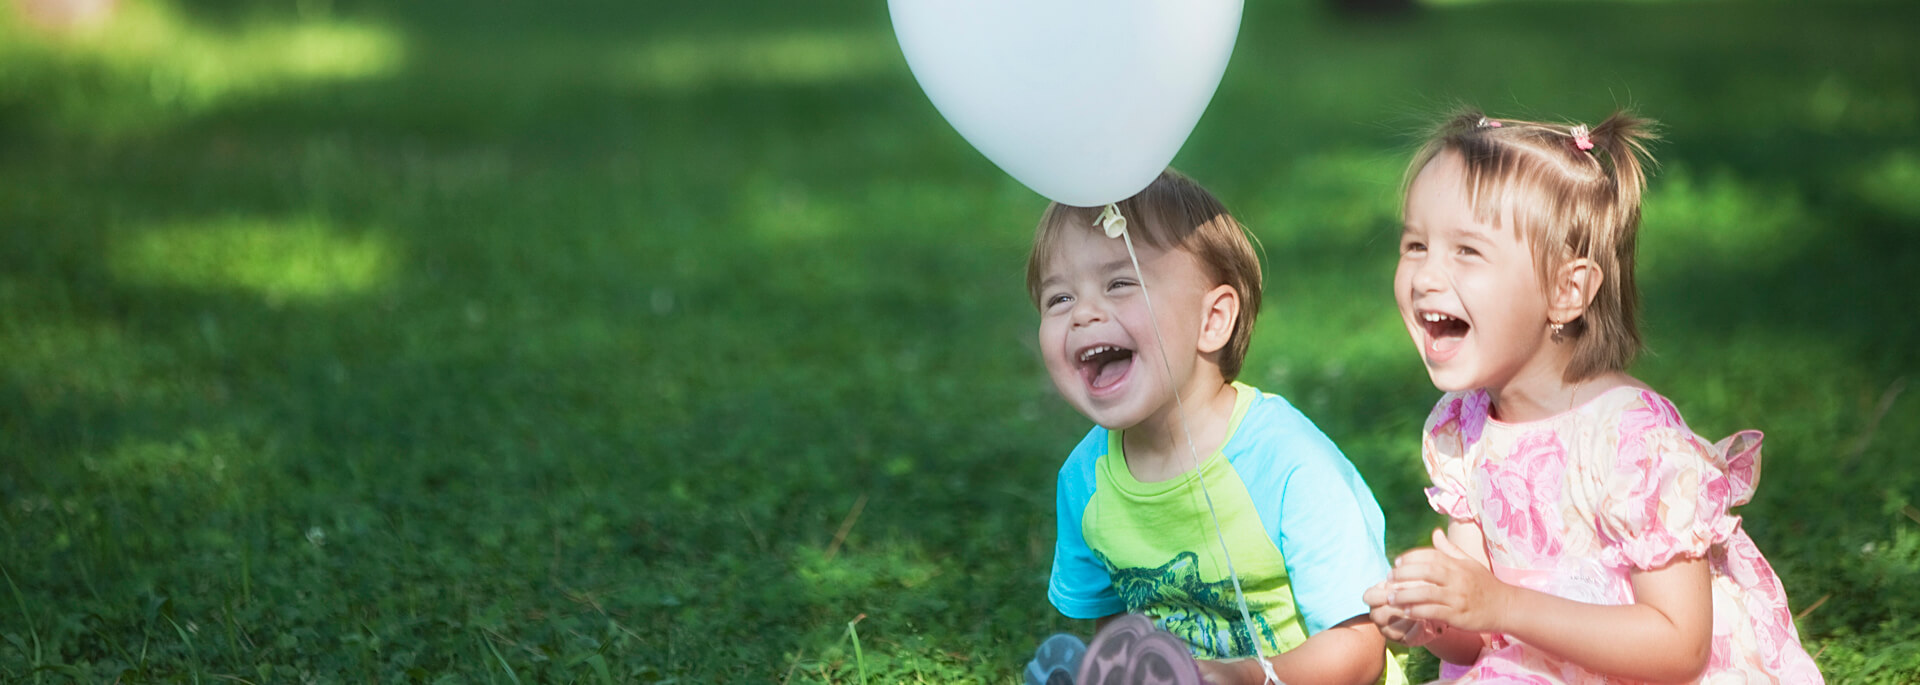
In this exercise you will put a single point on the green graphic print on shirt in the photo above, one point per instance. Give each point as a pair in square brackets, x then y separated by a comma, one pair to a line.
[1190, 608]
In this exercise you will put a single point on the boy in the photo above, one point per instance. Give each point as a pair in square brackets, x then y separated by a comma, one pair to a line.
[1137, 528]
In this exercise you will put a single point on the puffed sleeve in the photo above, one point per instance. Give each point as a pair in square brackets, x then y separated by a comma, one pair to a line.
[1667, 493]
[1452, 427]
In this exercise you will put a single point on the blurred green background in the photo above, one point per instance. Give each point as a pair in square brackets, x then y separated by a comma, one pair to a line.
[596, 341]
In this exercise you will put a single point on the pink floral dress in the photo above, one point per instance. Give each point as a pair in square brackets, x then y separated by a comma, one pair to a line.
[1571, 504]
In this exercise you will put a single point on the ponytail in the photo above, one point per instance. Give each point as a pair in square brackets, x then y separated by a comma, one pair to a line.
[1620, 145]
[1607, 336]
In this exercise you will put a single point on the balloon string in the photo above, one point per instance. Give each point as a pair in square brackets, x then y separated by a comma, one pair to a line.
[1180, 408]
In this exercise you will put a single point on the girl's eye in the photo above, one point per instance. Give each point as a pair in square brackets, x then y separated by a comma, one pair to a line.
[1469, 252]
[1411, 247]
[1119, 283]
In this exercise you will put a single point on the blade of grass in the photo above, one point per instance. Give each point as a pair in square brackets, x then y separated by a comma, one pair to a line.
[1880, 410]
[32, 631]
[93, 626]
[859, 659]
[192, 653]
[793, 665]
[226, 621]
[503, 660]
[846, 526]
[1815, 605]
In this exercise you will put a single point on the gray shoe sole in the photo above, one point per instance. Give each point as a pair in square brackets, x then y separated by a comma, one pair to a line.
[1131, 651]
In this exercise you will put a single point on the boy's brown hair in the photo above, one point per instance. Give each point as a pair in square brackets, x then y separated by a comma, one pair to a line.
[1172, 213]
[1571, 193]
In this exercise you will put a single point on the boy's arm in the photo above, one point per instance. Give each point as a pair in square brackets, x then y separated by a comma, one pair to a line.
[1079, 585]
[1350, 652]
[1329, 532]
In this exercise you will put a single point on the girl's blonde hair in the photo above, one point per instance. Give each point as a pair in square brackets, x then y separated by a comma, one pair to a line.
[1172, 213]
[1571, 193]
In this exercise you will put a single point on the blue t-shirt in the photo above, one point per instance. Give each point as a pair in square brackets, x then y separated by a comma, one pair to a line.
[1305, 534]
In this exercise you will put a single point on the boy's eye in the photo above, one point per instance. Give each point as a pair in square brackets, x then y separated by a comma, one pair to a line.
[1469, 252]
[1054, 300]
[1413, 246]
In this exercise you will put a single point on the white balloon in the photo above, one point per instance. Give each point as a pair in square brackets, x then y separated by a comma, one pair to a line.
[1084, 101]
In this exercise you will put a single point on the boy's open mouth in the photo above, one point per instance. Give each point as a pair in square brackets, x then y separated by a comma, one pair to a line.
[1105, 365]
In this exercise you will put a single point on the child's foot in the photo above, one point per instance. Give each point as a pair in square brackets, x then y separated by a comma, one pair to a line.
[1131, 651]
[1055, 662]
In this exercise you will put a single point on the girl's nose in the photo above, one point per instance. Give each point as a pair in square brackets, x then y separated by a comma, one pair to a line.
[1429, 275]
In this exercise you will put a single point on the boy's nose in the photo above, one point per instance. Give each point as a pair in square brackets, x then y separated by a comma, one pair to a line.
[1088, 311]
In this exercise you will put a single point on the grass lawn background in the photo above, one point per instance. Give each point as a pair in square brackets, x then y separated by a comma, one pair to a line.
[650, 342]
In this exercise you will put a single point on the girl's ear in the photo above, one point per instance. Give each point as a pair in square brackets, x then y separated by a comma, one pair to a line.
[1573, 289]
[1219, 308]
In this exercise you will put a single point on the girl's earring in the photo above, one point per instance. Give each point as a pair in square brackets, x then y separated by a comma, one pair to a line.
[1556, 328]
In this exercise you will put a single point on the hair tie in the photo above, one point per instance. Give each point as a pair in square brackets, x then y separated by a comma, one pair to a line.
[1488, 123]
[1580, 137]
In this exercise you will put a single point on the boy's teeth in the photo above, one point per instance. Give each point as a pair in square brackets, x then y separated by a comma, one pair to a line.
[1095, 351]
[1435, 317]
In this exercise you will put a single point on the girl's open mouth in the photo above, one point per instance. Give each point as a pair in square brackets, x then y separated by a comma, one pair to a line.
[1105, 365]
[1444, 334]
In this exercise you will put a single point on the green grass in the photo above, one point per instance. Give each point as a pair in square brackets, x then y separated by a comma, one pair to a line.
[510, 342]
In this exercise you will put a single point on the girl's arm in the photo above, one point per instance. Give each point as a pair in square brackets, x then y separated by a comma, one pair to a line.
[1454, 645]
[1349, 652]
[1664, 635]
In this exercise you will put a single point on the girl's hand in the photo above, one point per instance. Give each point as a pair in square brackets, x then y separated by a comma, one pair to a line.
[1446, 585]
[1392, 619]
[1412, 632]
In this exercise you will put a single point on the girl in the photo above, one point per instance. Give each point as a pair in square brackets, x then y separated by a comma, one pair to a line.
[1589, 539]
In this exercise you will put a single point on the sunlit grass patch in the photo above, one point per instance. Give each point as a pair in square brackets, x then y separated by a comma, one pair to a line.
[278, 260]
[799, 58]
[854, 573]
[1689, 215]
[1338, 195]
[149, 64]
[197, 457]
[1844, 104]
[777, 211]
[61, 364]
[782, 211]
[1892, 183]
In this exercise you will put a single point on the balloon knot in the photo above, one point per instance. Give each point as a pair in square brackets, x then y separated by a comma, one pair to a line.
[1110, 220]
